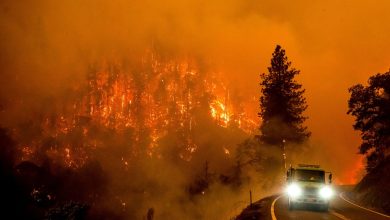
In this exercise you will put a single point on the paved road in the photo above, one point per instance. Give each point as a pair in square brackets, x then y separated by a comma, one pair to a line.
[339, 209]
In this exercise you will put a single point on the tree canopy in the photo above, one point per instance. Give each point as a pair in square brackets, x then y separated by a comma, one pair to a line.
[370, 105]
[282, 103]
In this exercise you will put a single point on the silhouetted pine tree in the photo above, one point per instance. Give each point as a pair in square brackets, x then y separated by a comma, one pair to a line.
[282, 103]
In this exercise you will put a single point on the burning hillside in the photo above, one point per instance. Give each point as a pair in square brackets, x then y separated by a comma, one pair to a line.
[131, 131]
[144, 100]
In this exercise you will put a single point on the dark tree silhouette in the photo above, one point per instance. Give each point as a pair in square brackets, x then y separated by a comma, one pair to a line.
[370, 105]
[282, 103]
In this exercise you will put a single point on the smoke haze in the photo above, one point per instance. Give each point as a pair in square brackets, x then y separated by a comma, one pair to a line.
[47, 47]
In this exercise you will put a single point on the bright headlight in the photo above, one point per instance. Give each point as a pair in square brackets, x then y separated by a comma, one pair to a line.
[326, 192]
[294, 190]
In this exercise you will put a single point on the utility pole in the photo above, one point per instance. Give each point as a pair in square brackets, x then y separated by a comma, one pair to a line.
[284, 154]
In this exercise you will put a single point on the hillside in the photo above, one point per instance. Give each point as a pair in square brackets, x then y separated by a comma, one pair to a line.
[374, 189]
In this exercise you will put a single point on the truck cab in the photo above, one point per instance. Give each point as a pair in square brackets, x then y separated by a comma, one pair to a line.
[306, 185]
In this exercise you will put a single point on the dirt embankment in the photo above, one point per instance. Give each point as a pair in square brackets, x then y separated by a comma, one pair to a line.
[259, 210]
[374, 189]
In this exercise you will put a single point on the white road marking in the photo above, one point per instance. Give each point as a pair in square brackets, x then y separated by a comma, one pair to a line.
[273, 207]
[273, 216]
[341, 195]
[338, 215]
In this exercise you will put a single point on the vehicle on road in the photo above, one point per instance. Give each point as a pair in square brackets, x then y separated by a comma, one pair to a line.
[306, 185]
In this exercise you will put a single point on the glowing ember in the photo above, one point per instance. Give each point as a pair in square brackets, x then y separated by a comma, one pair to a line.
[226, 151]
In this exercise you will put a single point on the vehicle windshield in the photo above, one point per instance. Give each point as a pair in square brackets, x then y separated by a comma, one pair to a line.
[310, 175]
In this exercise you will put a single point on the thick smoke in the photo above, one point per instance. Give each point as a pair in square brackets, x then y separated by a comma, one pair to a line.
[48, 48]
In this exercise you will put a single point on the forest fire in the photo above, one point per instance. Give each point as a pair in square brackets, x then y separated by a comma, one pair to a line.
[147, 101]
[178, 109]
[220, 113]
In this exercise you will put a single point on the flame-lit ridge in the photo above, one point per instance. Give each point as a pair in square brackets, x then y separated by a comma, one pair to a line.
[150, 98]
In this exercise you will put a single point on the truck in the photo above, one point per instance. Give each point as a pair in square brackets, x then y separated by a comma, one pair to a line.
[307, 185]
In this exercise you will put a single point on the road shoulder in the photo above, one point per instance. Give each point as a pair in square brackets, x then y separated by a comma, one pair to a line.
[344, 196]
[258, 211]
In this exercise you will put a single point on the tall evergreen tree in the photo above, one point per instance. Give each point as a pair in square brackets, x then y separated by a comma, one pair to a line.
[282, 103]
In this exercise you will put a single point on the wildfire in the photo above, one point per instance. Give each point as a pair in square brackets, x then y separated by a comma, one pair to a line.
[151, 100]
[220, 113]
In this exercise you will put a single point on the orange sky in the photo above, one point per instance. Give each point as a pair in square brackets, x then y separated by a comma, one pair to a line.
[334, 43]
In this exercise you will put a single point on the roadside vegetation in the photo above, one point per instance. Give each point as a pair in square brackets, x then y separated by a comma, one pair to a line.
[370, 106]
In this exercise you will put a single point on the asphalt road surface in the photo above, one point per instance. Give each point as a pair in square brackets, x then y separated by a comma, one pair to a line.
[340, 208]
